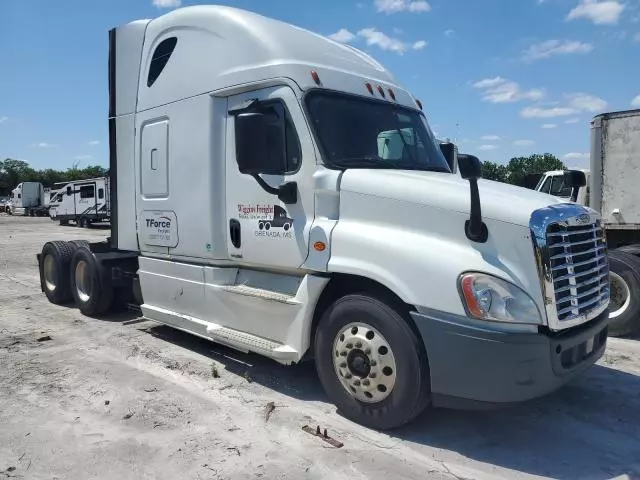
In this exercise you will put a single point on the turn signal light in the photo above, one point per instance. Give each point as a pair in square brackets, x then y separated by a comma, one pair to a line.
[320, 246]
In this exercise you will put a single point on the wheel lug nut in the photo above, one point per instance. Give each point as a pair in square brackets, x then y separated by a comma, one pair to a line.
[367, 351]
[356, 383]
[343, 354]
[349, 345]
[372, 375]
[366, 383]
[359, 345]
[347, 375]
[343, 365]
[373, 363]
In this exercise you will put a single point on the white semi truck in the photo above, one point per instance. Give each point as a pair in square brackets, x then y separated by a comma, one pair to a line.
[29, 199]
[256, 202]
[612, 187]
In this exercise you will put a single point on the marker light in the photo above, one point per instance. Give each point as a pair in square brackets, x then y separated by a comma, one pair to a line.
[315, 76]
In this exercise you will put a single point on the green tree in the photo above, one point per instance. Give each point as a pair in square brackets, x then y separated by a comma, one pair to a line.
[518, 167]
[495, 171]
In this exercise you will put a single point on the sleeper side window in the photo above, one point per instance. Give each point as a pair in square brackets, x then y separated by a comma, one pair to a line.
[160, 57]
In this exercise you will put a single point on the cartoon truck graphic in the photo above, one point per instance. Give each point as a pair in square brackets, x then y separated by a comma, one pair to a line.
[280, 220]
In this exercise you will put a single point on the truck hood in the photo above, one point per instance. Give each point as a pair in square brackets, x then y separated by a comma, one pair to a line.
[500, 201]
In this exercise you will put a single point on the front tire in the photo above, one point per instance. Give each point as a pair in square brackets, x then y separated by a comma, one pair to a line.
[90, 285]
[624, 307]
[371, 363]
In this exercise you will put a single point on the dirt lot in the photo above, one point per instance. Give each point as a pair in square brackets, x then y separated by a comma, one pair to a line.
[111, 399]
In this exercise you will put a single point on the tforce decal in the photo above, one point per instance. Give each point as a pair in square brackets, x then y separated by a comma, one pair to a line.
[272, 220]
[159, 228]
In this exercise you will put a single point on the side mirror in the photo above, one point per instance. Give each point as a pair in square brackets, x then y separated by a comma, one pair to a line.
[574, 178]
[471, 169]
[470, 166]
[252, 145]
[255, 150]
[450, 152]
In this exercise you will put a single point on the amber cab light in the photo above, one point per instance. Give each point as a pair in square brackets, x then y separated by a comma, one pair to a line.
[370, 88]
[315, 76]
[381, 91]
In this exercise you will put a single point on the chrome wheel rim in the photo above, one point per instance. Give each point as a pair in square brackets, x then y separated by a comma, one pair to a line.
[83, 280]
[50, 273]
[364, 362]
[620, 295]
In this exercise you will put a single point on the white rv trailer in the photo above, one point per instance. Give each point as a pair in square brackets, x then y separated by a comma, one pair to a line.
[257, 203]
[81, 201]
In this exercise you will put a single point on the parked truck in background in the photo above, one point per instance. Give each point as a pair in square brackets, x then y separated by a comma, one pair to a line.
[612, 188]
[29, 199]
[407, 284]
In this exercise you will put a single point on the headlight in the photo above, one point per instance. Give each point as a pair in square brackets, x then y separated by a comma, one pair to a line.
[490, 298]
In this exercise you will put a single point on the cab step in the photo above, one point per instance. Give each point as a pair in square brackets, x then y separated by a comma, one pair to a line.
[247, 342]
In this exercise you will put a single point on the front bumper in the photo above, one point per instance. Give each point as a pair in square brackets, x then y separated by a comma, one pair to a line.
[471, 363]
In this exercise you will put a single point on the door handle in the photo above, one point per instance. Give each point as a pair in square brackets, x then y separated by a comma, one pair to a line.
[234, 232]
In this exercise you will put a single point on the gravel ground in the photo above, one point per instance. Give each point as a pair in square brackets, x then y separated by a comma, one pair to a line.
[123, 398]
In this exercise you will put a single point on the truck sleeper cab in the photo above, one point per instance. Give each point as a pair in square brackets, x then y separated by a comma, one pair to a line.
[376, 278]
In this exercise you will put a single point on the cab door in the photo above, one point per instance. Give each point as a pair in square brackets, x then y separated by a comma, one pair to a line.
[263, 230]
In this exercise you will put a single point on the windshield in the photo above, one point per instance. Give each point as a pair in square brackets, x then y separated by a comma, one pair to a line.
[360, 133]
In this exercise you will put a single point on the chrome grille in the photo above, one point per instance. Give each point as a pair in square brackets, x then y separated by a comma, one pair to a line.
[579, 268]
[571, 254]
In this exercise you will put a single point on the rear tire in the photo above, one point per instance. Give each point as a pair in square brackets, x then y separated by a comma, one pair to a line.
[90, 285]
[632, 249]
[76, 244]
[624, 309]
[56, 258]
[370, 362]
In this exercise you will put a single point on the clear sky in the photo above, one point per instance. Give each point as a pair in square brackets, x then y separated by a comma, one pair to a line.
[502, 77]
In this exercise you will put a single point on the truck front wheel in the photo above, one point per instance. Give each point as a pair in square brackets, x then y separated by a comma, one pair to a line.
[90, 285]
[371, 363]
[624, 306]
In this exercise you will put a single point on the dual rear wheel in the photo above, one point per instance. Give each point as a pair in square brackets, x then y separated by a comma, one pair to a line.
[71, 272]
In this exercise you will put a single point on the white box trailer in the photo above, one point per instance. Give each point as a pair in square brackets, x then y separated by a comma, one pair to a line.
[255, 203]
[29, 199]
[612, 189]
[83, 202]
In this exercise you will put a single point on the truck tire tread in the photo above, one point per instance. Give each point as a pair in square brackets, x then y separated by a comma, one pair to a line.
[101, 292]
[62, 254]
[627, 266]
